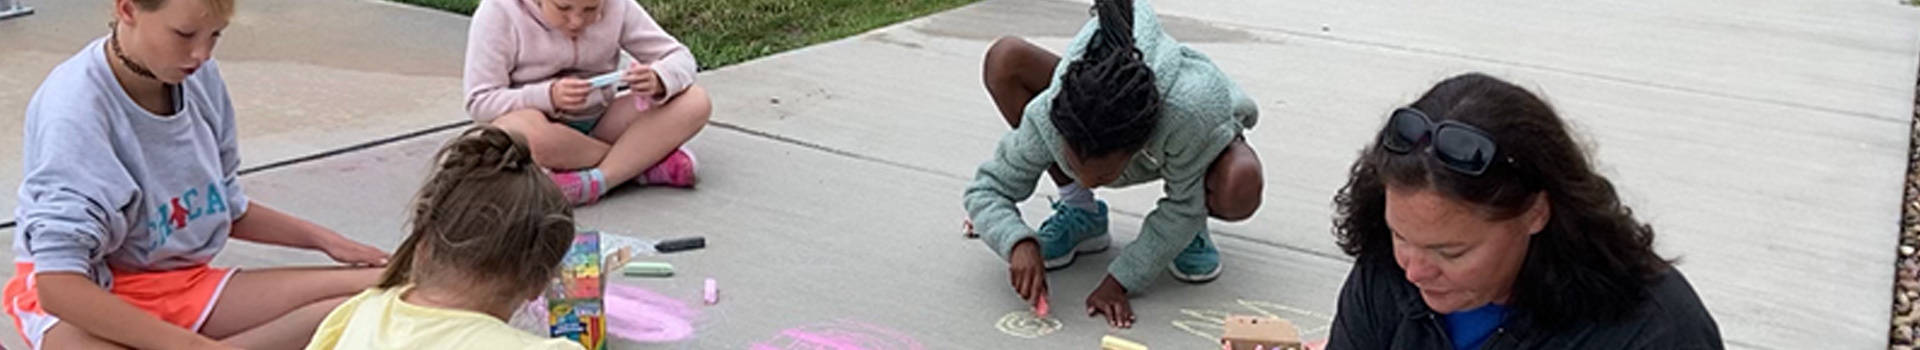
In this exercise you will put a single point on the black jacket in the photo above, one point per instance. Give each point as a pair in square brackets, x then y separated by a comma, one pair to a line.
[1379, 309]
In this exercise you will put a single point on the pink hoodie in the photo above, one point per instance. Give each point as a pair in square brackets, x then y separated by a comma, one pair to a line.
[513, 55]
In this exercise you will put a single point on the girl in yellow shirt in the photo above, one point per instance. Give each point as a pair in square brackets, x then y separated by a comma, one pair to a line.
[488, 232]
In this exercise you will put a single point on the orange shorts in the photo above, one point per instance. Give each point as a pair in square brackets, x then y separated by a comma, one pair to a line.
[182, 297]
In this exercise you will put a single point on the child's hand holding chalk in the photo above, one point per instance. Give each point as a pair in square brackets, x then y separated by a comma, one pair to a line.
[1027, 272]
[569, 93]
[643, 82]
[966, 228]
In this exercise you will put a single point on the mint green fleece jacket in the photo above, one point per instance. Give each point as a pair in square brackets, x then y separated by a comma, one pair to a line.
[1203, 112]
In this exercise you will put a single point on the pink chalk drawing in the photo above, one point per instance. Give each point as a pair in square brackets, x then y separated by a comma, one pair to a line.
[840, 335]
[633, 313]
[643, 316]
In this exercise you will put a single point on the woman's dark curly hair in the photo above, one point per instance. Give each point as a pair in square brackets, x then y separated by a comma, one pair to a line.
[1592, 261]
[1107, 101]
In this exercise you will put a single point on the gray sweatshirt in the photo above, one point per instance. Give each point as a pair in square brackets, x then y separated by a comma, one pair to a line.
[109, 186]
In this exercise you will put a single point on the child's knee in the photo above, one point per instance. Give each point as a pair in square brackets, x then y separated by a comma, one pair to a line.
[700, 105]
[1238, 192]
[1004, 49]
[523, 115]
[1002, 56]
[518, 121]
[1236, 169]
[1234, 207]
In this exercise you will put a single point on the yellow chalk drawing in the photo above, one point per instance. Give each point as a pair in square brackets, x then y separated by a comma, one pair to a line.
[1208, 323]
[1025, 324]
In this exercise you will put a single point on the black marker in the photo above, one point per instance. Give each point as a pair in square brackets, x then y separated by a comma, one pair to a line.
[679, 244]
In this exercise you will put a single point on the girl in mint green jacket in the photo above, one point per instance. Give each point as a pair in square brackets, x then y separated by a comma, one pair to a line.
[1130, 106]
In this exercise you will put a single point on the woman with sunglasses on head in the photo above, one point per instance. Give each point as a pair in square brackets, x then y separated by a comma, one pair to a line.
[1478, 223]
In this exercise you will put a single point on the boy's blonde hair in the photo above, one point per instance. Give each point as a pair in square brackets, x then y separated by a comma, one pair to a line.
[219, 8]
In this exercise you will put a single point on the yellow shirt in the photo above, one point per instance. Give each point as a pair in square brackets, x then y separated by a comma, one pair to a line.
[377, 319]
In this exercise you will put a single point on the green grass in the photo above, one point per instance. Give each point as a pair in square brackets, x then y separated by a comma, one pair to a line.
[464, 7]
[724, 32]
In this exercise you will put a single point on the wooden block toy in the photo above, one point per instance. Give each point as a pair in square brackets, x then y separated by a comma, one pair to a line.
[1269, 333]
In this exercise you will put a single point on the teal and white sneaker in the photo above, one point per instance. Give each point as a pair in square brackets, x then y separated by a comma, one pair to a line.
[1071, 231]
[1199, 263]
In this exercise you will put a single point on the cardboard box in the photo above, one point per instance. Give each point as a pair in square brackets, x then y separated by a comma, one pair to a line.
[575, 308]
[1248, 332]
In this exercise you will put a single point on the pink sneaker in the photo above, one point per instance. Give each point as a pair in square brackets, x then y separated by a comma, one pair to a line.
[581, 187]
[674, 171]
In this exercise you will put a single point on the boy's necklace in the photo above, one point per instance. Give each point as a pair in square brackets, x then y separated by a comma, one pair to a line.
[113, 41]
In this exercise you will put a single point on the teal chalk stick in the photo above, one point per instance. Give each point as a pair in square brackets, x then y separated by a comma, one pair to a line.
[647, 269]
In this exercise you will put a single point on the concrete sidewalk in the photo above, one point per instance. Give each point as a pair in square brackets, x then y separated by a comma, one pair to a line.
[1764, 140]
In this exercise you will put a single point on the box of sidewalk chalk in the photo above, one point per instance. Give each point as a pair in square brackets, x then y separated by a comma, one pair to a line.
[1251, 332]
[575, 308]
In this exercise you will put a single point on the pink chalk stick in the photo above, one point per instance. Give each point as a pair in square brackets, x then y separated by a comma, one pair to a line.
[1041, 309]
[642, 103]
[713, 292]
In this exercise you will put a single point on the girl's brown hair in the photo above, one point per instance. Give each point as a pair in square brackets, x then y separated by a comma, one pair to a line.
[487, 216]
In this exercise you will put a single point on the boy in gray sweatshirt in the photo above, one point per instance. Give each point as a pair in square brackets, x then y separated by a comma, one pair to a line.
[130, 189]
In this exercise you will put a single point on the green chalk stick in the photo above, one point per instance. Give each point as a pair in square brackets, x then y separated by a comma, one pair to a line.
[647, 269]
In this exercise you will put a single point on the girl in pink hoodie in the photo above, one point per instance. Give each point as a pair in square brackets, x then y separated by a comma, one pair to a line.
[528, 68]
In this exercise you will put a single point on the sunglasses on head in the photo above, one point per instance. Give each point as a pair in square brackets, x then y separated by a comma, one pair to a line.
[1461, 147]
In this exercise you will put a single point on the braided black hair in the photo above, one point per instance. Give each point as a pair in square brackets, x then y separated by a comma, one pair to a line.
[1107, 101]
